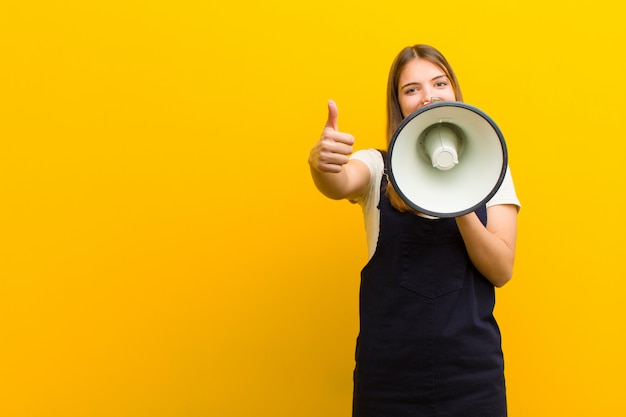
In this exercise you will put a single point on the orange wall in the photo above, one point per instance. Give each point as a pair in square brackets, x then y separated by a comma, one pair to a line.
[164, 252]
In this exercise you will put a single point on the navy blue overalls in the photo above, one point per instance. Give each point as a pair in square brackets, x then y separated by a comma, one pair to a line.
[428, 343]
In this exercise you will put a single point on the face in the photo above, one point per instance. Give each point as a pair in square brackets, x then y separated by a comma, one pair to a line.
[419, 81]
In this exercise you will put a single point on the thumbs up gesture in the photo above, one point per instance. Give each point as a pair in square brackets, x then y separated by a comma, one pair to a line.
[332, 150]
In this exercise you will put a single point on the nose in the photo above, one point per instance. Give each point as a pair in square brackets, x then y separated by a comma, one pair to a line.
[427, 93]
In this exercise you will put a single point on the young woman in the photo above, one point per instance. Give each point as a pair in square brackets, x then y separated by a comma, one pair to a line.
[428, 343]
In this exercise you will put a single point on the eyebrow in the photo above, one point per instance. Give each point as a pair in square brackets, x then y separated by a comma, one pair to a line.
[433, 79]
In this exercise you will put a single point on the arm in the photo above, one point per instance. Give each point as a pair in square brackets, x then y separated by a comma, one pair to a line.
[491, 248]
[334, 174]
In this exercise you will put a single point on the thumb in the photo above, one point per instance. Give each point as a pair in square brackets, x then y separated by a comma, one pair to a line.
[332, 115]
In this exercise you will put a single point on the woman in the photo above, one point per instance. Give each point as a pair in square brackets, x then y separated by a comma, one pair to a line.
[428, 343]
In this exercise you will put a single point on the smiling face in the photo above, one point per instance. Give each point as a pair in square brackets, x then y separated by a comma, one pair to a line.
[420, 81]
[414, 77]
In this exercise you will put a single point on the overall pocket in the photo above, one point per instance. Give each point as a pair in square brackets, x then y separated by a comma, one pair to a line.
[433, 266]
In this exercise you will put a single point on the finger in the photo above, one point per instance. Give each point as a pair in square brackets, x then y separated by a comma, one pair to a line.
[332, 163]
[332, 115]
[331, 168]
[334, 159]
[338, 137]
[340, 148]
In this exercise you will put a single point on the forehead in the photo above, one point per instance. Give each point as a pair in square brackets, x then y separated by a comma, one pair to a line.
[419, 70]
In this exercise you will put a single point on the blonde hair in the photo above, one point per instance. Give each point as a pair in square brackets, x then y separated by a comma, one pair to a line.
[394, 111]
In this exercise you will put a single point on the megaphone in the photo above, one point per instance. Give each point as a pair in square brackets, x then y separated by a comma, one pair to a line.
[447, 159]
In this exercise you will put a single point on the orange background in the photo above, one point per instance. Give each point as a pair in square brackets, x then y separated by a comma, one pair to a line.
[164, 251]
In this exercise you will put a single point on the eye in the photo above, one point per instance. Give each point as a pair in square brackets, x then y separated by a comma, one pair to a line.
[441, 84]
[410, 91]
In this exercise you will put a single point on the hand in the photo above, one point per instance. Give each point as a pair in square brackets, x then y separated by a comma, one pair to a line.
[331, 152]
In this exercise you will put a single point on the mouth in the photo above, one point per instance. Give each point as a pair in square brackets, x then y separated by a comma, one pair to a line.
[431, 101]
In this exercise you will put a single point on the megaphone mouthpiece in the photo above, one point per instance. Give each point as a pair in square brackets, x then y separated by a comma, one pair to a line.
[441, 144]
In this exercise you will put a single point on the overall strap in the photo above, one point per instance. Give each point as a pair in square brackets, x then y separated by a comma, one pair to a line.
[385, 179]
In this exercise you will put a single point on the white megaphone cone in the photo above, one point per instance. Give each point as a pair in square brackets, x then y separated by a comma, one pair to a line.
[447, 159]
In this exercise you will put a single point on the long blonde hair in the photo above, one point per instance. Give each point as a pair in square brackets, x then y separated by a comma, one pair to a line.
[394, 112]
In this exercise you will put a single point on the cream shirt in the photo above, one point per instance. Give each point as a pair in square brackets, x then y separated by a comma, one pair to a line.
[369, 200]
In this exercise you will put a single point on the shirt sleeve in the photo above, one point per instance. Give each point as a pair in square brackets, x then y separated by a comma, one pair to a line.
[370, 199]
[506, 193]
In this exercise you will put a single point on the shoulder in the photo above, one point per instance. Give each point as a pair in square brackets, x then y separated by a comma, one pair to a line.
[373, 159]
